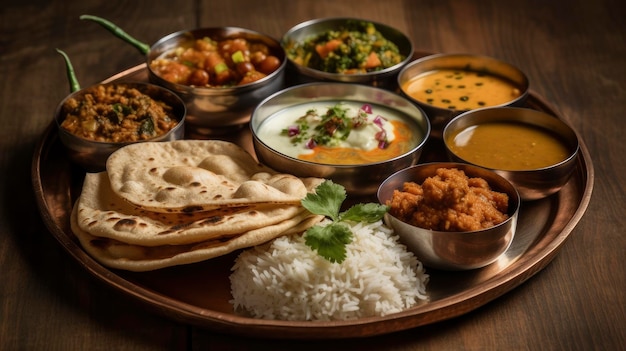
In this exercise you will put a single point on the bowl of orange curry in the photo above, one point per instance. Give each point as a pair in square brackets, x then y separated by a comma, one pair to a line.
[446, 85]
[535, 151]
[221, 73]
[353, 134]
[94, 122]
[453, 216]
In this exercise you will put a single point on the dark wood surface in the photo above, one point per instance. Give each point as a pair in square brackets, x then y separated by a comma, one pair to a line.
[573, 52]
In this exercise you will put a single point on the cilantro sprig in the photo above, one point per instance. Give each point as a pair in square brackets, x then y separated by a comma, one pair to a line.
[330, 240]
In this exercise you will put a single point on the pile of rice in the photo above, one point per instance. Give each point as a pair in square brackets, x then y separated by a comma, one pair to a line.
[286, 280]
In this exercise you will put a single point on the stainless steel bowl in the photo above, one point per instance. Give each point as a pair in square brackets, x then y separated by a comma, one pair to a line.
[383, 78]
[359, 180]
[453, 250]
[439, 117]
[532, 184]
[219, 110]
[92, 155]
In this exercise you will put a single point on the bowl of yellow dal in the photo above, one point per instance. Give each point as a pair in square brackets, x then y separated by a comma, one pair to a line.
[446, 85]
[534, 150]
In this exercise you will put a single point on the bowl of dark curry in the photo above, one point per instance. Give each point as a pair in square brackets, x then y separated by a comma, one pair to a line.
[348, 50]
[446, 85]
[94, 122]
[453, 216]
[534, 150]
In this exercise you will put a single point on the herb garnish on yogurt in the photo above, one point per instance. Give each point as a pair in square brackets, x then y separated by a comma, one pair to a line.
[333, 128]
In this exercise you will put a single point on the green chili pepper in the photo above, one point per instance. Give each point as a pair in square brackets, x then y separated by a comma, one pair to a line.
[117, 31]
[71, 76]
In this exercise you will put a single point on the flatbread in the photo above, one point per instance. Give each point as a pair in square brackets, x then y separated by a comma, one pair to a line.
[118, 255]
[199, 175]
[102, 213]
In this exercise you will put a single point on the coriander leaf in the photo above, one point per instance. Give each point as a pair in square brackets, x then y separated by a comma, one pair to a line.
[326, 200]
[369, 213]
[330, 241]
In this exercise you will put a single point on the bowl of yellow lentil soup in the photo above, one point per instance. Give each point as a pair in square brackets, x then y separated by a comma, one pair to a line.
[348, 50]
[445, 85]
[353, 134]
[534, 150]
[94, 122]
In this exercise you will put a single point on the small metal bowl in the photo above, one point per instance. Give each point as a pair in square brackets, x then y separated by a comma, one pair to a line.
[361, 179]
[219, 110]
[439, 116]
[453, 250]
[383, 78]
[92, 155]
[532, 184]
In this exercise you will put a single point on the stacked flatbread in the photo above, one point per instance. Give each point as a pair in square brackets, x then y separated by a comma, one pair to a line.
[170, 203]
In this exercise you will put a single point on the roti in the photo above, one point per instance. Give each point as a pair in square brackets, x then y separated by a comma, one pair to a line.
[119, 255]
[199, 175]
[102, 213]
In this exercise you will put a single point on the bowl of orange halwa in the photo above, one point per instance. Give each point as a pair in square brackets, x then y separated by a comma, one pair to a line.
[453, 216]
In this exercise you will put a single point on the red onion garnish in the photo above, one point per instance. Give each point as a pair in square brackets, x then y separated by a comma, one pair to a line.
[367, 108]
[310, 144]
[379, 121]
[382, 135]
[382, 139]
[293, 130]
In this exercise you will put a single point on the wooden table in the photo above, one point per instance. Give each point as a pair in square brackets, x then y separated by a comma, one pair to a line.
[572, 51]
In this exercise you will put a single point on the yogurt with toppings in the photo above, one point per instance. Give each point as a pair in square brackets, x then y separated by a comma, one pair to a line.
[338, 132]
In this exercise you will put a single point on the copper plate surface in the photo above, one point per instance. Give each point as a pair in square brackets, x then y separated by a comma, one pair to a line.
[199, 294]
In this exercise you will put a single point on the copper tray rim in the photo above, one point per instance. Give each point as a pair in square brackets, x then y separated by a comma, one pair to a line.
[529, 263]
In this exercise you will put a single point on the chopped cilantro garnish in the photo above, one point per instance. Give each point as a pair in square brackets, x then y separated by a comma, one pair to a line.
[330, 240]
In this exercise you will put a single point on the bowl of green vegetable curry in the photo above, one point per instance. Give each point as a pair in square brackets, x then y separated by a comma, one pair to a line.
[347, 50]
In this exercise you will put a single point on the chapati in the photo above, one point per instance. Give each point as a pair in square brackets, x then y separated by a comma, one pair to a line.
[119, 255]
[199, 175]
[101, 212]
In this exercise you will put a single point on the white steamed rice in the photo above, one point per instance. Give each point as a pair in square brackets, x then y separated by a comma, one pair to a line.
[286, 280]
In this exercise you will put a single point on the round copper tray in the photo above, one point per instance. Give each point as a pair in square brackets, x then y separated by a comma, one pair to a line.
[199, 293]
